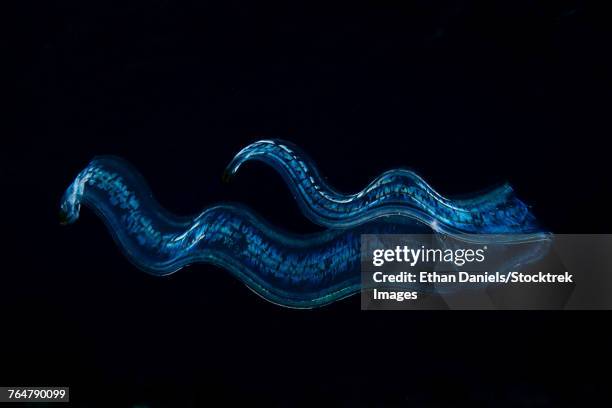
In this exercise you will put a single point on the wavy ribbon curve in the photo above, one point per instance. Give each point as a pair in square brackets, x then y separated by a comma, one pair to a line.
[395, 192]
[301, 271]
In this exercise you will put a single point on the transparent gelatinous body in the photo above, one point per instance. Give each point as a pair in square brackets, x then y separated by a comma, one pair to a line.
[291, 270]
[395, 192]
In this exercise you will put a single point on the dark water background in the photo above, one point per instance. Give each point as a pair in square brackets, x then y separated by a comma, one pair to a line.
[468, 94]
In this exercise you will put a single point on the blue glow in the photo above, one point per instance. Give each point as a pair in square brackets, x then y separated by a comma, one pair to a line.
[291, 270]
[395, 192]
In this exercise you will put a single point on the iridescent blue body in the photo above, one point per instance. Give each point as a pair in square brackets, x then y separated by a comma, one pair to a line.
[301, 271]
[395, 192]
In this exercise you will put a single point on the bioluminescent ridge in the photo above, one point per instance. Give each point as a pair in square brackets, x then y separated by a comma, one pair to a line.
[395, 192]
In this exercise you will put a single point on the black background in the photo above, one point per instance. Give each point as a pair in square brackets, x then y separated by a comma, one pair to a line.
[468, 94]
